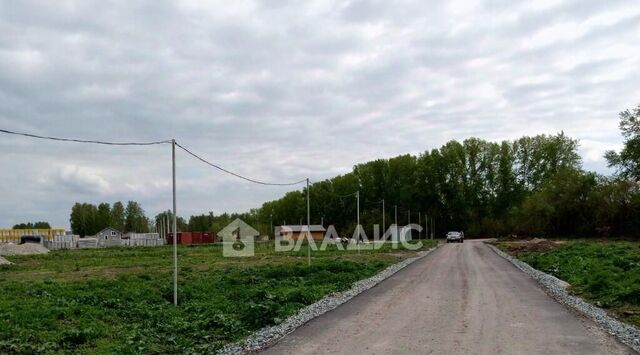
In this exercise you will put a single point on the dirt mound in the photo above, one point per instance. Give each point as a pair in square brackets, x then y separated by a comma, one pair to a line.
[537, 245]
[22, 249]
[4, 261]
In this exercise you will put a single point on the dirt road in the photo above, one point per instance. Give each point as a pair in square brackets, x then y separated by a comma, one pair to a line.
[460, 299]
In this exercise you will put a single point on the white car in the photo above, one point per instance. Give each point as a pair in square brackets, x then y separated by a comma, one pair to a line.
[455, 237]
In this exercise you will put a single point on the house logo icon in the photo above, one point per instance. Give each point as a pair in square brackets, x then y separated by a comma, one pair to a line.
[238, 239]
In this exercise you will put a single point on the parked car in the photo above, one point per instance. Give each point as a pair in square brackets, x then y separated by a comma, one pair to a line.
[455, 237]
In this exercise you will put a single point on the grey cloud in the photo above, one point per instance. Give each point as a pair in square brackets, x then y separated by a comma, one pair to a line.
[284, 90]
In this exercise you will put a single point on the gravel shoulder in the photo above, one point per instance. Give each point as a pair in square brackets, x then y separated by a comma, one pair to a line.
[557, 289]
[462, 298]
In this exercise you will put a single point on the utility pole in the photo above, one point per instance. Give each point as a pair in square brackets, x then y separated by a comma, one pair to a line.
[384, 226]
[358, 219]
[409, 221]
[322, 221]
[433, 228]
[308, 226]
[271, 228]
[166, 222]
[397, 230]
[175, 229]
[426, 225]
[419, 223]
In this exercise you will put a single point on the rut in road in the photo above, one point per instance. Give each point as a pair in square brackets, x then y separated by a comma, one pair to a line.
[460, 299]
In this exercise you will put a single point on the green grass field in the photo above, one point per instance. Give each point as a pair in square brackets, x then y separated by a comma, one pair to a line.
[605, 273]
[120, 300]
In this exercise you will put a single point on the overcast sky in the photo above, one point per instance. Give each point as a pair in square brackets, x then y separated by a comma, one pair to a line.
[282, 90]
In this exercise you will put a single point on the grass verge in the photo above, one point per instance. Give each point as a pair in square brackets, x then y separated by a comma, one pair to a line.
[605, 273]
[120, 300]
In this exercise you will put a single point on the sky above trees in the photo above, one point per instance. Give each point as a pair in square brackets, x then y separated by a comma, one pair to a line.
[283, 90]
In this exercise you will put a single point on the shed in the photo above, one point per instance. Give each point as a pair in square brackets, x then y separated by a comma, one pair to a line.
[294, 232]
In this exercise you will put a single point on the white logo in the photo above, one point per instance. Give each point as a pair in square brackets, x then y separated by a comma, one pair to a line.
[238, 239]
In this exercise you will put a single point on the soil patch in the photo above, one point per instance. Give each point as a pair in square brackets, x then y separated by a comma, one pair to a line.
[22, 249]
[536, 245]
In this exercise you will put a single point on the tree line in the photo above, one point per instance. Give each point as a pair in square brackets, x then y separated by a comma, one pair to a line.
[534, 186]
[88, 219]
[33, 225]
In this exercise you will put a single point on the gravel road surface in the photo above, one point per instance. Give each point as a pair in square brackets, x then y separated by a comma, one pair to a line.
[460, 299]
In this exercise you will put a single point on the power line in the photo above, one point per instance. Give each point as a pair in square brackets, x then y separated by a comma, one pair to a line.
[59, 139]
[238, 175]
[81, 140]
[347, 195]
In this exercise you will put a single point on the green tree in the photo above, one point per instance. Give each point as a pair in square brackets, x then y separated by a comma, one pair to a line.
[83, 219]
[562, 205]
[117, 219]
[203, 222]
[627, 161]
[616, 208]
[163, 217]
[103, 216]
[135, 219]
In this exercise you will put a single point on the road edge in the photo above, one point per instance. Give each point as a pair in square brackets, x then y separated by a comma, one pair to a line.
[268, 336]
[555, 288]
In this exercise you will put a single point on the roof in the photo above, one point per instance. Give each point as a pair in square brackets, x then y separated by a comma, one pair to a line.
[300, 228]
[109, 229]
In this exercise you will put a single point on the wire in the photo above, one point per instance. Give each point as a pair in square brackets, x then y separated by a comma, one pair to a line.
[150, 143]
[238, 175]
[81, 140]
[347, 195]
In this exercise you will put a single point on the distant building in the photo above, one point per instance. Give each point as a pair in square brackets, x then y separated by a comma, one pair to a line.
[294, 232]
[109, 237]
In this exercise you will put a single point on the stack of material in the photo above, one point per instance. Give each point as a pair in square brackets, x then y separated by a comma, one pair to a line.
[62, 242]
[22, 249]
[87, 243]
[109, 242]
[4, 261]
[143, 242]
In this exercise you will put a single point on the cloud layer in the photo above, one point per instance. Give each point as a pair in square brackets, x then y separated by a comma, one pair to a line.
[281, 90]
